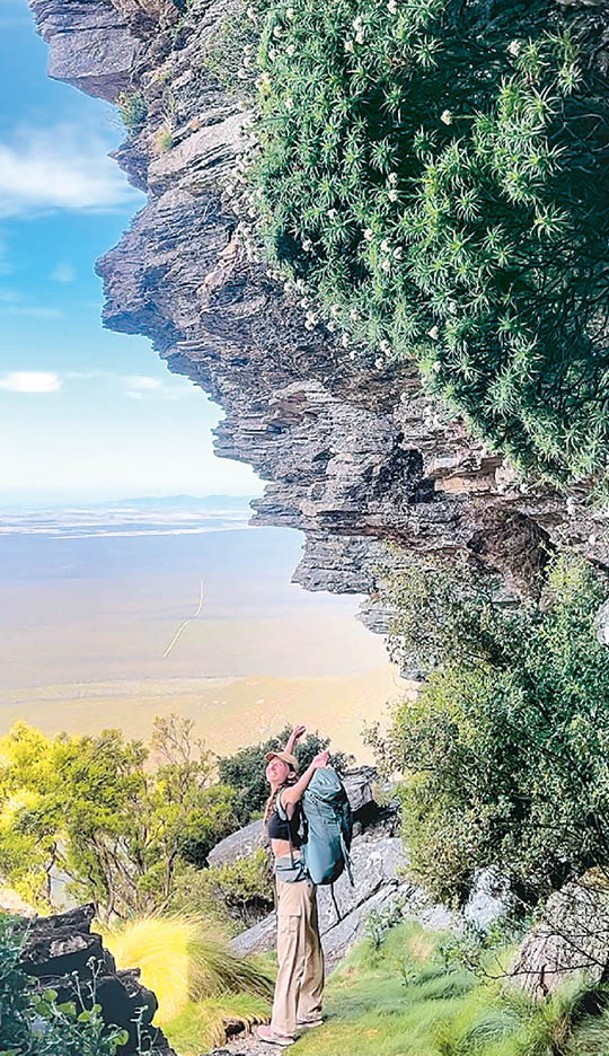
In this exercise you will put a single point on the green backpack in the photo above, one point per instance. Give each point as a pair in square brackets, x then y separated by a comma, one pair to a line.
[328, 827]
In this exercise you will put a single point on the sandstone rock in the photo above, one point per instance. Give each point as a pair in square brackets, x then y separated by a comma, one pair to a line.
[377, 859]
[572, 939]
[244, 842]
[356, 457]
[240, 844]
[58, 946]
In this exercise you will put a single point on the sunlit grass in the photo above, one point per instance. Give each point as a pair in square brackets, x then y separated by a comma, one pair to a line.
[401, 1000]
[199, 983]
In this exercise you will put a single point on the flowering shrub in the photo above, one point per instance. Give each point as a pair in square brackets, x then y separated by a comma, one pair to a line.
[428, 177]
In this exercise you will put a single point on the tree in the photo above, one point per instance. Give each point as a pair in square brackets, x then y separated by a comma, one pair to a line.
[92, 808]
[504, 754]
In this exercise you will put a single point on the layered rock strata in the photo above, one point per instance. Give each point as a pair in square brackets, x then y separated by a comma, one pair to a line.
[356, 457]
[62, 953]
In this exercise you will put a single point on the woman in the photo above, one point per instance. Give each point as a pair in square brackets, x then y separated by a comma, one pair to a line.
[300, 979]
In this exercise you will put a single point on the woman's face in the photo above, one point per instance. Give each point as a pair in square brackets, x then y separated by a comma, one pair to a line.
[277, 771]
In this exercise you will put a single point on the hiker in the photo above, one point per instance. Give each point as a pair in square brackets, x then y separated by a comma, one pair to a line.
[300, 978]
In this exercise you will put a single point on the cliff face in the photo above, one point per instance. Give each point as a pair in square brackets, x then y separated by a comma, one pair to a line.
[356, 458]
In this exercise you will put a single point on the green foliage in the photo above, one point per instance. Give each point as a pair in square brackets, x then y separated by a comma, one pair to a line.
[245, 770]
[431, 177]
[133, 110]
[33, 1023]
[236, 895]
[93, 808]
[504, 752]
[401, 999]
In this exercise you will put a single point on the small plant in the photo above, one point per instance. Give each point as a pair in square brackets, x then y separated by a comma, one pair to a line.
[133, 110]
[379, 922]
[38, 1024]
[163, 139]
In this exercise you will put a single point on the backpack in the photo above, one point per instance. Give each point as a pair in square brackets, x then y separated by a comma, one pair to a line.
[329, 827]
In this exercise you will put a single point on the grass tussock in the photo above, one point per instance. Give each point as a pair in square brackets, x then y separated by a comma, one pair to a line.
[403, 1000]
[201, 986]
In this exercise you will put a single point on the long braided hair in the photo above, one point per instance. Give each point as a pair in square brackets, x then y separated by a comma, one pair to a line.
[272, 800]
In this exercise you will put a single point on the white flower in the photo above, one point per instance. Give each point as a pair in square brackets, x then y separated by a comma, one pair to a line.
[392, 7]
[393, 195]
[592, 539]
[398, 253]
[242, 74]
[290, 13]
[357, 22]
[359, 37]
[277, 31]
[291, 48]
[311, 319]
[386, 264]
[392, 178]
[452, 307]
[379, 363]
[289, 103]
[354, 314]
[349, 46]
[304, 302]
[331, 326]
[514, 47]
[434, 333]
[437, 367]
[271, 53]
[344, 341]
[368, 234]
[332, 213]
[352, 354]
[247, 50]
[385, 346]
[385, 246]
[307, 245]
[251, 14]
[446, 117]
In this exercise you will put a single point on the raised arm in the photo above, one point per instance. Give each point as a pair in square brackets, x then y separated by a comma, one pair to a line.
[294, 793]
[296, 733]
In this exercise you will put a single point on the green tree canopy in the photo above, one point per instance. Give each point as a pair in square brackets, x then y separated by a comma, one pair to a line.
[505, 752]
[97, 810]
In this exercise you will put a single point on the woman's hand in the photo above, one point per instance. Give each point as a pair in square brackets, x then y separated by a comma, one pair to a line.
[295, 734]
[320, 760]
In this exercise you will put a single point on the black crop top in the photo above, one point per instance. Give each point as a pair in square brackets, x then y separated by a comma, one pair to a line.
[278, 829]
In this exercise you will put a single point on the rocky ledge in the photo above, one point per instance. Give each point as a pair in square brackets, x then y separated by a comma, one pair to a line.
[61, 949]
[356, 458]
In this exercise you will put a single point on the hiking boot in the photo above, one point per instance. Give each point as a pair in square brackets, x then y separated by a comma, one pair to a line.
[268, 1034]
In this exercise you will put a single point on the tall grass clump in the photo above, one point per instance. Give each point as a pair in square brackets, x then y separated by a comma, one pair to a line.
[199, 983]
[429, 178]
[401, 998]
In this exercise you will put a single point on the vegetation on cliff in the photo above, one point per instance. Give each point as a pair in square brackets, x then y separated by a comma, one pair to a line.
[504, 752]
[429, 178]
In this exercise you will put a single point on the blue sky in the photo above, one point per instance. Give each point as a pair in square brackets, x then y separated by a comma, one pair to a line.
[84, 413]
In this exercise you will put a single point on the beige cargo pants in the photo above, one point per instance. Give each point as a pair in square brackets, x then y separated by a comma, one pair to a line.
[300, 979]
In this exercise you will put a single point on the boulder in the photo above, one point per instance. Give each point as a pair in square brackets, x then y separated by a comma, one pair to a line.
[57, 948]
[572, 938]
[243, 843]
[240, 844]
[378, 858]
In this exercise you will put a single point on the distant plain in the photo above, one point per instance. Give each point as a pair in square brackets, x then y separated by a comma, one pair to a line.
[91, 606]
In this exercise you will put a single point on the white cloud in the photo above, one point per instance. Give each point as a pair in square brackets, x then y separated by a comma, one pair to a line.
[60, 168]
[142, 382]
[32, 311]
[30, 381]
[63, 272]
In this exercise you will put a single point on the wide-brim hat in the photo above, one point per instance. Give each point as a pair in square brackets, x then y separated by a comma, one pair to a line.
[286, 757]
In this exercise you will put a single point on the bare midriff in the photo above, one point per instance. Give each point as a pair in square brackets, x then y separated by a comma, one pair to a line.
[280, 848]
